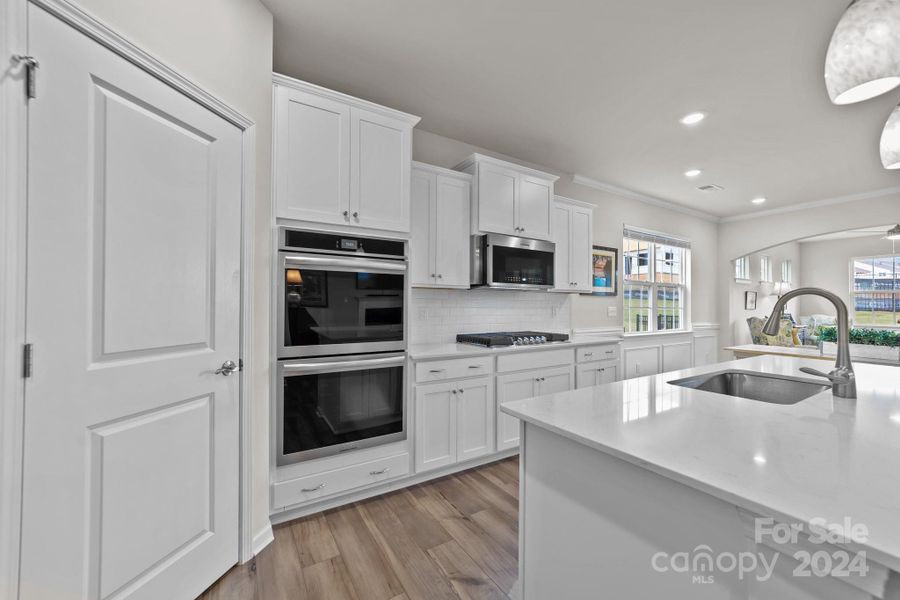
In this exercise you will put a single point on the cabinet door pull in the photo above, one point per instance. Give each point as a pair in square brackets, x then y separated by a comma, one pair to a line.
[346, 213]
[314, 489]
[436, 371]
[381, 472]
[586, 354]
[601, 370]
[474, 366]
[461, 390]
[356, 215]
[454, 391]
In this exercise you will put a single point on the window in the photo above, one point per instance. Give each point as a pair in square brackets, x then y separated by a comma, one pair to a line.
[742, 269]
[875, 290]
[765, 269]
[787, 271]
[655, 281]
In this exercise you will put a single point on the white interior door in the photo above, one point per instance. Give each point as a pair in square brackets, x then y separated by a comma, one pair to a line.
[131, 439]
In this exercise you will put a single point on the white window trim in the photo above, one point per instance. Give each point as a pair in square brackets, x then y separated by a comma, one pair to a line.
[745, 261]
[787, 272]
[765, 269]
[853, 293]
[652, 287]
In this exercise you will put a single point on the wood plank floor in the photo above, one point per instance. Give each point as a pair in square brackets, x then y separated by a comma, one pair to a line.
[453, 538]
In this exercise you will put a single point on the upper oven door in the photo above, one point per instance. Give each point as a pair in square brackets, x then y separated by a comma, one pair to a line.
[340, 305]
[518, 263]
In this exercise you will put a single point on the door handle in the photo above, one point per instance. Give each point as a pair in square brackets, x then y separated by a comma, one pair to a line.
[228, 367]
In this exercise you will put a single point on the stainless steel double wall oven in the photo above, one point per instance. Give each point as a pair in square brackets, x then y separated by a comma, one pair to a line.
[341, 343]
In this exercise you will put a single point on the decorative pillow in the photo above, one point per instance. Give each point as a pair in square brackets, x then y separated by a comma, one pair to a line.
[756, 335]
[785, 335]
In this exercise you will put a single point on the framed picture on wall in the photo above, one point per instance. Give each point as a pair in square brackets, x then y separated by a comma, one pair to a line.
[750, 300]
[604, 270]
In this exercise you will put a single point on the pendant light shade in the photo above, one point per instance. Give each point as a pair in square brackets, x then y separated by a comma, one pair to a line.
[890, 141]
[863, 59]
[894, 233]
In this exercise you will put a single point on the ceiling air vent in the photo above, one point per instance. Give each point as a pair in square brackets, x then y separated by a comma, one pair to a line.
[710, 188]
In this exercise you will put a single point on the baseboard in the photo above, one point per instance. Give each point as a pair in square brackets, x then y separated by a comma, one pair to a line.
[263, 538]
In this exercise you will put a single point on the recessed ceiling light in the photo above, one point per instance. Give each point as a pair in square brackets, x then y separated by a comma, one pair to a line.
[759, 459]
[692, 172]
[759, 200]
[692, 118]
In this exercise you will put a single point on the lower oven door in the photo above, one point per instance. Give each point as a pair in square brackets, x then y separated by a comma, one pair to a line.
[337, 404]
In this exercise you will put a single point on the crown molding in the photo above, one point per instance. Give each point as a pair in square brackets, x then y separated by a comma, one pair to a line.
[813, 204]
[573, 202]
[477, 158]
[442, 171]
[311, 88]
[631, 194]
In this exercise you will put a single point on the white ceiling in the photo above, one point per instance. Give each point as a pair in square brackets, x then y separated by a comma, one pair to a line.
[597, 87]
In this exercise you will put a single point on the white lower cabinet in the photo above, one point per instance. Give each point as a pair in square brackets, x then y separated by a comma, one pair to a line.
[518, 386]
[596, 373]
[454, 422]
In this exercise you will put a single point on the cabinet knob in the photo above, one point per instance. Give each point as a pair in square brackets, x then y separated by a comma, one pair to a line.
[440, 276]
[346, 213]
[355, 215]
[461, 390]
[433, 275]
[454, 391]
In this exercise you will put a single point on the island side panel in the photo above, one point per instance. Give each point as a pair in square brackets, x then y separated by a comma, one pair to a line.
[590, 524]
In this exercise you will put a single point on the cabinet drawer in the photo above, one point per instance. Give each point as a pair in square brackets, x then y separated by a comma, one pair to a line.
[602, 352]
[439, 370]
[534, 359]
[328, 483]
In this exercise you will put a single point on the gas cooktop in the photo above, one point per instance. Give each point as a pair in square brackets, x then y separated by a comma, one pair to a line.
[510, 338]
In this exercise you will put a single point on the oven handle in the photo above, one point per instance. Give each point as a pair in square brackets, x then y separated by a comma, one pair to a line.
[341, 365]
[352, 264]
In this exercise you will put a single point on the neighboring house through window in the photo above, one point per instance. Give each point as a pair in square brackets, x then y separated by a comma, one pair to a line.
[875, 290]
[656, 273]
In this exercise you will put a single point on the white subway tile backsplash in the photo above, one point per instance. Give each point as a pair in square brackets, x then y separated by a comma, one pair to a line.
[438, 315]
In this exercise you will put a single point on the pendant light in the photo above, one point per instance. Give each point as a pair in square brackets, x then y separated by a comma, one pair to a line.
[863, 59]
[894, 233]
[890, 141]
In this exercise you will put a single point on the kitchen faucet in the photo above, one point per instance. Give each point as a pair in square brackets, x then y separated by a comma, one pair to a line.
[843, 380]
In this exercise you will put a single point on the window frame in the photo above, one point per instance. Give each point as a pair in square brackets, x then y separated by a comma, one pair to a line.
[787, 271]
[742, 269]
[765, 269]
[653, 286]
[895, 292]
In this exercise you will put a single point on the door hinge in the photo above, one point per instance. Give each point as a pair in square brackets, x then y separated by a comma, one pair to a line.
[31, 65]
[27, 358]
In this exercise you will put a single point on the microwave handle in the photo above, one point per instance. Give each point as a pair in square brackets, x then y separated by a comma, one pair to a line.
[299, 368]
[350, 264]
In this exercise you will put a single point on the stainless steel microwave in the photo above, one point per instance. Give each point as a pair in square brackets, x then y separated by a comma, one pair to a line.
[508, 262]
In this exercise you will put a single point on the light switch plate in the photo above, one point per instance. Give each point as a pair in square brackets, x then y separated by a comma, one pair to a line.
[611, 311]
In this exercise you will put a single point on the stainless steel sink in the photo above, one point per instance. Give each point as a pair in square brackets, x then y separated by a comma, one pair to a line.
[777, 389]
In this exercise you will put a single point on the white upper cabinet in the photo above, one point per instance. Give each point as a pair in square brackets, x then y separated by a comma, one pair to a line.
[572, 227]
[439, 240]
[509, 199]
[340, 160]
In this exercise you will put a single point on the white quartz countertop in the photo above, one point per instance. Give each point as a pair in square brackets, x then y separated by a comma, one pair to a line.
[823, 457]
[435, 351]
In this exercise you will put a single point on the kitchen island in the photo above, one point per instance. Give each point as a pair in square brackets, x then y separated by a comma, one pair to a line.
[644, 489]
